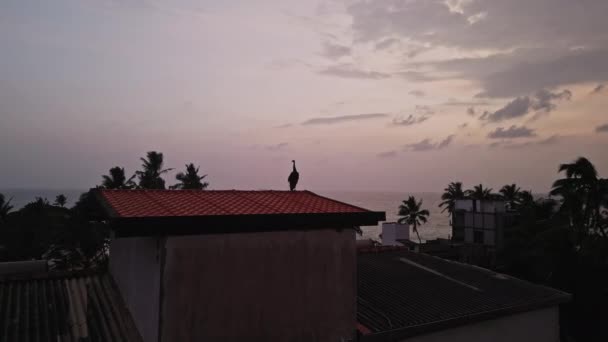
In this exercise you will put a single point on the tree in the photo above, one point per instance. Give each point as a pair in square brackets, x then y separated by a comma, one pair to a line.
[61, 200]
[480, 193]
[413, 214]
[150, 176]
[5, 207]
[510, 194]
[452, 193]
[583, 195]
[117, 179]
[190, 179]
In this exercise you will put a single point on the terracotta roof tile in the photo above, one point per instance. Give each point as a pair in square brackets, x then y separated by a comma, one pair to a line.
[188, 203]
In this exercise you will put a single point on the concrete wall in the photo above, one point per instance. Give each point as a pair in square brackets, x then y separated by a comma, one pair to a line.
[265, 286]
[535, 326]
[391, 231]
[135, 267]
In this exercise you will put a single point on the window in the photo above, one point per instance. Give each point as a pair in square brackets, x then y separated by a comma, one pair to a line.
[478, 236]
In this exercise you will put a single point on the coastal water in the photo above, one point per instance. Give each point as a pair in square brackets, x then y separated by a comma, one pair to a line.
[437, 225]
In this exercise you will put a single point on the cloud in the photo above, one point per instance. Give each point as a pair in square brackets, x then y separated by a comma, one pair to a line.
[512, 132]
[349, 71]
[598, 89]
[410, 120]
[541, 101]
[335, 51]
[494, 24]
[344, 118]
[386, 43]
[602, 128]
[544, 98]
[464, 125]
[454, 102]
[471, 111]
[511, 145]
[521, 78]
[445, 142]
[415, 76]
[277, 147]
[514, 109]
[387, 154]
[417, 93]
[287, 125]
[427, 145]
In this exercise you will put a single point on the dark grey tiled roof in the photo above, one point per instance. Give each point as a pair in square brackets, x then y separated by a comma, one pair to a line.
[67, 307]
[411, 293]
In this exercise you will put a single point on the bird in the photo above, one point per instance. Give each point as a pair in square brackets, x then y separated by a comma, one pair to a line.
[294, 176]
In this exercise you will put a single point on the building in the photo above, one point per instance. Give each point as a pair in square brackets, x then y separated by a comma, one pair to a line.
[190, 265]
[236, 265]
[403, 295]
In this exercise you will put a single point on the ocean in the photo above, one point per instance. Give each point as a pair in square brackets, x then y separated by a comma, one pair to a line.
[438, 225]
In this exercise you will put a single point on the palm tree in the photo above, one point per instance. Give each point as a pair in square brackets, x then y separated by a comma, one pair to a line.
[510, 194]
[117, 179]
[61, 200]
[150, 176]
[5, 207]
[190, 179]
[452, 193]
[580, 191]
[480, 193]
[413, 214]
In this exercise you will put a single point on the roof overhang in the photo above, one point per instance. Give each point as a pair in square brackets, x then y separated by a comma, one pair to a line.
[219, 224]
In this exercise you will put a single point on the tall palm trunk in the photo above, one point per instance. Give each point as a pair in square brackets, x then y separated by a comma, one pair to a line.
[416, 230]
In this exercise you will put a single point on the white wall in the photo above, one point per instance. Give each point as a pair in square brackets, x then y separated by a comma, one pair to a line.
[534, 326]
[135, 267]
[391, 231]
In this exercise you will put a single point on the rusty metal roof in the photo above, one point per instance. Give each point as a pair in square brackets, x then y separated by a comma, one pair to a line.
[402, 293]
[64, 307]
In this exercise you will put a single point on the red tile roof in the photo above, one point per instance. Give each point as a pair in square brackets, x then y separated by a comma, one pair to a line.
[196, 203]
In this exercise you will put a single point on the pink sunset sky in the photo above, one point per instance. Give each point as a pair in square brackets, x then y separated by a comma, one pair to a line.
[365, 95]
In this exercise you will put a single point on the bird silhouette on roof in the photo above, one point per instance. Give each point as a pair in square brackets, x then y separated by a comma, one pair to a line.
[294, 176]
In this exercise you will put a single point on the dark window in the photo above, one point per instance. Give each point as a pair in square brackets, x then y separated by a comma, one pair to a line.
[478, 236]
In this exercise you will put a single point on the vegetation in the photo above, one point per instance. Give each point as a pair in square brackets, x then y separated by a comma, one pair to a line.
[510, 193]
[77, 237]
[117, 179]
[190, 179]
[5, 207]
[452, 193]
[150, 176]
[60, 200]
[479, 193]
[413, 214]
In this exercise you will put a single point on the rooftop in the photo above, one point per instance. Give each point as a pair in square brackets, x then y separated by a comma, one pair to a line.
[405, 293]
[63, 307]
[206, 210]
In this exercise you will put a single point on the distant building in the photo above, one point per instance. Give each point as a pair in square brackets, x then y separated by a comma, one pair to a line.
[415, 297]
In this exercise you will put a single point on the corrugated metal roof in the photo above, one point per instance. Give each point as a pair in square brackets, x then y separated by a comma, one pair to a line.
[67, 307]
[193, 203]
[411, 293]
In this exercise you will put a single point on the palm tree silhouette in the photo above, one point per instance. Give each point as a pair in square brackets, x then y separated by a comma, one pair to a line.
[60, 200]
[190, 179]
[117, 179]
[413, 214]
[5, 207]
[150, 176]
[452, 193]
[583, 195]
[510, 193]
[479, 193]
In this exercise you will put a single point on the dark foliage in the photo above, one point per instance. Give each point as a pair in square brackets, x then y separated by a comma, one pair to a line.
[190, 179]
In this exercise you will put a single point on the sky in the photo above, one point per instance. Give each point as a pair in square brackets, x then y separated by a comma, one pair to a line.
[366, 95]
